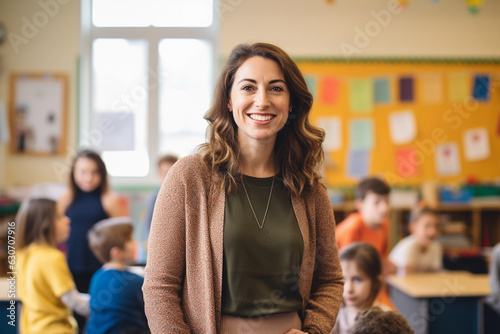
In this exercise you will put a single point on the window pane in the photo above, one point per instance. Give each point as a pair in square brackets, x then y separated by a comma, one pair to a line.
[185, 92]
[159, 13]
[120, 96]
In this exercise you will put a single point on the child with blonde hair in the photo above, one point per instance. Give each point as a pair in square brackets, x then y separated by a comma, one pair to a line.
[45, 285]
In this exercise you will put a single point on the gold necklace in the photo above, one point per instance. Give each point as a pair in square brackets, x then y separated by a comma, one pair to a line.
[251, 206]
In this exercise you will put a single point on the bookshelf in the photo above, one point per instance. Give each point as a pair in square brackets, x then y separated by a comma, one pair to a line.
[482, 220]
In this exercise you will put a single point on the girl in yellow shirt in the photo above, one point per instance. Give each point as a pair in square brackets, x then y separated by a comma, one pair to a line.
[45, 285]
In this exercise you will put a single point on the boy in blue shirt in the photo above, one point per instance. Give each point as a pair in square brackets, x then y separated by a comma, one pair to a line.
[116, 300]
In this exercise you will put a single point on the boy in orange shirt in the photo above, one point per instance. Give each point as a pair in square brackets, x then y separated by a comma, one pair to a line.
[370, 224]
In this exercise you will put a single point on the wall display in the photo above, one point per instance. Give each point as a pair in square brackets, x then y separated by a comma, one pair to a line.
[399, 113]
[38, 111]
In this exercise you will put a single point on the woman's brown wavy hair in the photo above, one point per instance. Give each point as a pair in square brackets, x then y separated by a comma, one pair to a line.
[298, 151]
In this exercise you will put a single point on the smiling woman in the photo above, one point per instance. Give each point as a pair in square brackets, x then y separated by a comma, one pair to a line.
[245, 228]
[260, 103]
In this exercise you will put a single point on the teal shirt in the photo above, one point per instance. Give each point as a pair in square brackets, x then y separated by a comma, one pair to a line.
[261, 266]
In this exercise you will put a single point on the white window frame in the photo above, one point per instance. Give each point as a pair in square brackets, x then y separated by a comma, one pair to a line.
[153, 35]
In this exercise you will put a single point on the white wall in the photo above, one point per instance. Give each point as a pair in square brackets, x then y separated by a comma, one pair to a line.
[317, 28]
[300, 27]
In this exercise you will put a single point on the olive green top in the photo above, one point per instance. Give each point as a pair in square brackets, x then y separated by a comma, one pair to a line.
[261, 266]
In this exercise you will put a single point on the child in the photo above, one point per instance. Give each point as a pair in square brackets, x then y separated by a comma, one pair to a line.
[46, 287]
[377, 321]
[88, 201]
[419, 252]
[116, 301]
[164, 164]
[370, 223]
[362, 271]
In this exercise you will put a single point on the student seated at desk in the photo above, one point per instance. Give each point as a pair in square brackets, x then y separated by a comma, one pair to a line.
[419, 252]
[377, 321]
[116, 300]
[362, 272]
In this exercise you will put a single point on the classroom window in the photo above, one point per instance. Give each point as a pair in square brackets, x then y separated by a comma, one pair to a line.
[185, 89]
[147, 71]
[120, 94]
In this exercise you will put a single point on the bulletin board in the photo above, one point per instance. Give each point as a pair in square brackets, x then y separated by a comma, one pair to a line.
[37, 111]
[407, 120]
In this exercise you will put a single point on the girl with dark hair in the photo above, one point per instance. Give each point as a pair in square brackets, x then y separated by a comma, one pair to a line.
[243, 233]
[88, 201]
[46, 287]
[362, 270]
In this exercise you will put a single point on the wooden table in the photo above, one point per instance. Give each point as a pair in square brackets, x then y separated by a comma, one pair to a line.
[445, 302]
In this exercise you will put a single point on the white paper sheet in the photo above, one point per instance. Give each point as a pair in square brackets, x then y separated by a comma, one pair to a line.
[476, 144]
[333, 129]
[447, 159]
[402, 127]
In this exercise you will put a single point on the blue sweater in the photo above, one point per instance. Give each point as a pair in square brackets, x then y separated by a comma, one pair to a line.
[116, 303]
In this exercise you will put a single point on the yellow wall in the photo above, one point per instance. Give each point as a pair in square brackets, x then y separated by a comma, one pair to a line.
[436, 123]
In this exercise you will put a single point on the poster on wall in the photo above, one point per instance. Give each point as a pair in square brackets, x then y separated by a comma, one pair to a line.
[447, 158]
[38, 109]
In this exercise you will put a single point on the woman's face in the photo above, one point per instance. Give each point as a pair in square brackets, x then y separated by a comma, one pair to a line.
[259, 101]
[357, 285]
[86, 174]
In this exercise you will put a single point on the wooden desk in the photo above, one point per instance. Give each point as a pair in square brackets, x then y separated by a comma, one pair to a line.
[445, 302]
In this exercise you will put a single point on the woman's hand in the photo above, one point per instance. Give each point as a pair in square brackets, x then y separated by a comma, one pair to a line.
[295, 331]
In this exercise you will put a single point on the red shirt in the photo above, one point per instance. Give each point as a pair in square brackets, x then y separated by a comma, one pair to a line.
[353, 229]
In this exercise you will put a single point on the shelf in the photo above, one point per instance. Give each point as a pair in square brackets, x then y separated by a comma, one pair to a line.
[481, 217]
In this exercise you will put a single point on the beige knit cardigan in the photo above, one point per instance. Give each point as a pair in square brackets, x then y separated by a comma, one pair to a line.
[183, 280]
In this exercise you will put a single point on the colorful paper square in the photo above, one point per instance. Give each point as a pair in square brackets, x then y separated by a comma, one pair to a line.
[382, 90]
[330, 90]
[361, 134]
[458, 86]
[361, 95]
[481, 87]
[358, 163]
[406, 162]
[431, 88]
[406, 93]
